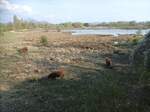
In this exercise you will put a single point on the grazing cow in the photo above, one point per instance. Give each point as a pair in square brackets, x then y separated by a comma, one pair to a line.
[23, 50]
[55, 74]
[108, 62]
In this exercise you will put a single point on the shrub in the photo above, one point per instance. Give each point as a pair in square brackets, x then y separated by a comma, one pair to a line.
[135, 41]
[34, 79]
[144, 77]
[86, 24]
[44, 40]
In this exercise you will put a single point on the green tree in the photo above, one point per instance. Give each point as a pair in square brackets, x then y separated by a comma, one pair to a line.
[86, 24]
[17, 22]
[77, 25]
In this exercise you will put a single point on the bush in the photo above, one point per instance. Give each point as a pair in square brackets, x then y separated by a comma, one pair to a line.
[86, 24]
[135, 41]
[34, 79]
[44, 40]
[144, 77]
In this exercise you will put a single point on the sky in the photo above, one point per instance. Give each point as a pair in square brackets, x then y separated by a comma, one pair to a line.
[58, 11]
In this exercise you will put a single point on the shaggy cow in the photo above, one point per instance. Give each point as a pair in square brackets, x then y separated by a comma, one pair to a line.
[23, 50]
[55, 74]
[108, 62]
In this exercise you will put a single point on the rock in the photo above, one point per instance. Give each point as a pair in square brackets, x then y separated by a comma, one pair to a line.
[116, 43]
[140, 58]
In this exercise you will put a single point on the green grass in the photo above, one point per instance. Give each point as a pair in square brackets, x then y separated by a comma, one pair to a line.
[106, 92]
[8, 56]
[9, 37]
[97, 90]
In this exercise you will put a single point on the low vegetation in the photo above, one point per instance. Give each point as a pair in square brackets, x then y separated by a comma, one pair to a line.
[87, 85]
[43, 40]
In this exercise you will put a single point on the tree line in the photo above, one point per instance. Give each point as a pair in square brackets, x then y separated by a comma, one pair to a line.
[19, 24]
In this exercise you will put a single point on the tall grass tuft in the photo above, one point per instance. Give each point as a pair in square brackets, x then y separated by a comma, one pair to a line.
[43, 40]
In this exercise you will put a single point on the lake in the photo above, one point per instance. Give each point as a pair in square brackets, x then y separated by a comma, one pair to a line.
[114, 32]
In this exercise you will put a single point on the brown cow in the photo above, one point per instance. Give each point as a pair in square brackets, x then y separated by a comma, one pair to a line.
[55, 74]
[23, 50]
[108, 62]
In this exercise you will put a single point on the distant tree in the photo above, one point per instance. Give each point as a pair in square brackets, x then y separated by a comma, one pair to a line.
[9, 26]
[132, 23]
[58, 29]
[147, 24]
[66, 25]
[46, 27]
[77, 25]
[17, 22]
[15, 19]
[86, 24]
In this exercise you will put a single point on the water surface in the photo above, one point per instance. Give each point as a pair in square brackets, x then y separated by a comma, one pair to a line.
[114, 32]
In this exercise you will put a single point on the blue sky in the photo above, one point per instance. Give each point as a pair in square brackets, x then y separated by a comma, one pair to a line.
[56, 11]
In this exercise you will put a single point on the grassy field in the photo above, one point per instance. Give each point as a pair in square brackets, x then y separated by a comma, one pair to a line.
[88, 86]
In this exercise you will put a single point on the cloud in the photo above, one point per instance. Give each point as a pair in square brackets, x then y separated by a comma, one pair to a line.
[5, 5]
